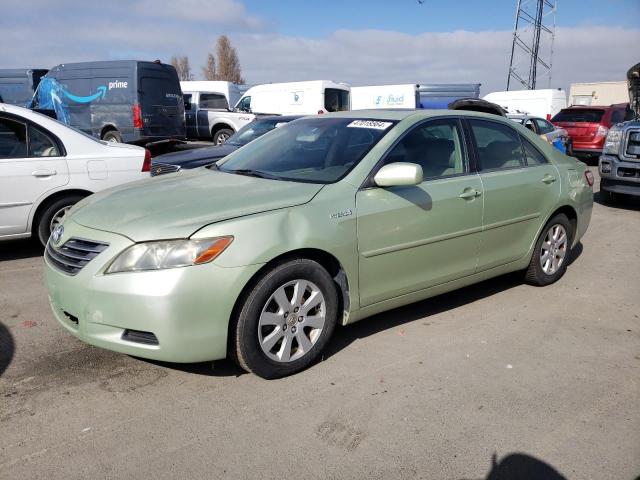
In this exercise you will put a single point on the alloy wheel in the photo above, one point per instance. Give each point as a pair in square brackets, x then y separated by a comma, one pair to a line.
[292, 321]
[554, 249]
[58, 217]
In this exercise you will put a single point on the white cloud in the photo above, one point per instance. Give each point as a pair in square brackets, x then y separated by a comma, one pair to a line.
[146, 29]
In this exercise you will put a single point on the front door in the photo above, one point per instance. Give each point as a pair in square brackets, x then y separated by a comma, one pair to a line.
[414, 237]
[30, 165]
[520, 189]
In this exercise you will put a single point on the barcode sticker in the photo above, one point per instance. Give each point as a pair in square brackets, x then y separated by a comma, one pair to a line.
[376, 125]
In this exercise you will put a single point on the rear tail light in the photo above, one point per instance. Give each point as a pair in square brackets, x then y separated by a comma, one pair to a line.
[320, 112]
[137, 116]
[548, 117]
[146, 165]
[588, 177]
[602, 131]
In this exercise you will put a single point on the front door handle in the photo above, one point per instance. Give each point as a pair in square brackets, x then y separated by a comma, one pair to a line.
[548, 179]
[43, 173]
[470, 193]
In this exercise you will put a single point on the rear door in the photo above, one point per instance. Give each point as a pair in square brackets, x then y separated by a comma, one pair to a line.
[520, 188]
[161, 102]
[31, 164]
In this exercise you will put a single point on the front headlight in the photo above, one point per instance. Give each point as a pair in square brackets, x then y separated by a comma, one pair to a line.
[168, 254]
[612, 143]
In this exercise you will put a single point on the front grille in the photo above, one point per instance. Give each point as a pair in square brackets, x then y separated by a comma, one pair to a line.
[162, 168]
[138, 336]
[74, 254]
[633, 144]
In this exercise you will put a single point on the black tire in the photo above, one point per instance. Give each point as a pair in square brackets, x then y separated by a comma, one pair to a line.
[42, 225]
[535, 274]
[112, 136]
[244, 344]
[222, 135]
[608, 198]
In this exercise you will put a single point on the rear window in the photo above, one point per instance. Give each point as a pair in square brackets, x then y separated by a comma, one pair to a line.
[214, 101]
[590, 115]
[336, 100]
[159, 91]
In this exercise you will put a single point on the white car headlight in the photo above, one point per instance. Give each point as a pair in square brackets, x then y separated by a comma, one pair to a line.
[612, 143]
[168, 254]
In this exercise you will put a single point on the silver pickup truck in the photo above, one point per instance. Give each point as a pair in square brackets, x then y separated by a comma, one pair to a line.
[207, 117]
[620, 160]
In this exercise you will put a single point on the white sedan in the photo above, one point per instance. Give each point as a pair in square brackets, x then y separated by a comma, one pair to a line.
[46, 167]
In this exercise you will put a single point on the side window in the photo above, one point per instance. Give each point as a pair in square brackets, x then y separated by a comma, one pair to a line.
[533, 156]
[498, 145]
[245, 104]
[13, 139]
[629, 114]
[436, 146]
[529, 124]
[213, 100]
[617, 116]
[41, 144]
[187, 101]
[543, 126]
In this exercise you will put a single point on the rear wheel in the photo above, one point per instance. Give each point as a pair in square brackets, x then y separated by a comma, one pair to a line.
[570, 148]
[551, 253]
[112, 136]
[222, 136]
[286, 320]
[53, 215]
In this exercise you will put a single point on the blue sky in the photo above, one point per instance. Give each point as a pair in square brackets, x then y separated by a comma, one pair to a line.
[320, 17]
[361, 42]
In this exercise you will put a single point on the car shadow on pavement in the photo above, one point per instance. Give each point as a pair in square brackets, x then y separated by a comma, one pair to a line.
[219, 368]
[19, 249]
[520, 466]
[621, 203]
[7, 348]
[427, 308]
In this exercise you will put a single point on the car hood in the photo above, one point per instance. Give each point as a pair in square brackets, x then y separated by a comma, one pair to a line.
[177, 205]
[196, 157]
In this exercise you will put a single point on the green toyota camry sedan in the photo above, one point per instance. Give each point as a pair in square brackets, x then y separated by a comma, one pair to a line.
[319, 223]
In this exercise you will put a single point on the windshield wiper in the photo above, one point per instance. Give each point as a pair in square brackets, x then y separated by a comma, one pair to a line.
[253, 173]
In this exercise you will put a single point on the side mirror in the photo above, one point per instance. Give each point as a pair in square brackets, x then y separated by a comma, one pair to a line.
[398, 173]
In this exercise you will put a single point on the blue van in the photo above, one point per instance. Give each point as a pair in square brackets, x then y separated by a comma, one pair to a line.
[118, 101]
[18, 84]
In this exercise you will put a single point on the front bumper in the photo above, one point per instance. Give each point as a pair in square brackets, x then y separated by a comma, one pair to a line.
[621, 177]
[187, 309]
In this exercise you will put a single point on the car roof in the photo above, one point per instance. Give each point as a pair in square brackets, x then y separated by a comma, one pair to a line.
[596, 107]
[401, 114]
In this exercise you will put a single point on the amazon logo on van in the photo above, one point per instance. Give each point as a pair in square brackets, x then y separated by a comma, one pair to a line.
[118, 84]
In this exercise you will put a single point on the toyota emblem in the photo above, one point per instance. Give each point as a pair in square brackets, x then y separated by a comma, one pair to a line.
[57, 233]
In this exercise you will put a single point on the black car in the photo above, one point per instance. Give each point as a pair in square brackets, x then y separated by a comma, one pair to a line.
[200, 157]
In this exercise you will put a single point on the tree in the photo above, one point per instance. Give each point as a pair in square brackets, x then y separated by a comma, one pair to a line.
[227, 65]
[209, 72]
[181, 64]
[228, 62]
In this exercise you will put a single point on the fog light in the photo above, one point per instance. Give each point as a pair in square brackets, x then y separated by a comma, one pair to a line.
[605, 167]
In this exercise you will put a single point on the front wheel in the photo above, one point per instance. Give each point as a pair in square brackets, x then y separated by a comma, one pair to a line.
[112, 136]
[286, 320]
[551, 253]
[53, 215]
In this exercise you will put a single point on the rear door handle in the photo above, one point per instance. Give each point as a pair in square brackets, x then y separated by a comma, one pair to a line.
[43, 173]
[548, 179]
[470, 193]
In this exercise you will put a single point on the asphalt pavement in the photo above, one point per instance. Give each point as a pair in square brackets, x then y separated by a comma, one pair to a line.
[483, 382]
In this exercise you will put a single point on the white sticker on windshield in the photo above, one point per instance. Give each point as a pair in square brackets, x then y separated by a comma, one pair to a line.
[376, 125]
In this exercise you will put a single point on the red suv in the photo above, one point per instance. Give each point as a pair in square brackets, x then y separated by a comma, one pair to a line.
[588, 126]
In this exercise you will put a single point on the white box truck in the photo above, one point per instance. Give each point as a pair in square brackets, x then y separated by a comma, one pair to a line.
[296, 98]
[411, 95]
[543, 103]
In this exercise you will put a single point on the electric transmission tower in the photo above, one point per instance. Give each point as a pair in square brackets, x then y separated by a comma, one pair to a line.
[533, 36]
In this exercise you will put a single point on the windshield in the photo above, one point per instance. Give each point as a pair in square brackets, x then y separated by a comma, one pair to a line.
[316, 150]
[590, 115]
[255, 129]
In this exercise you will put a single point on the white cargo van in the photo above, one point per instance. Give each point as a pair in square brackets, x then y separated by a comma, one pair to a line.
[543, 103]
[296, 98]
[221, 94]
